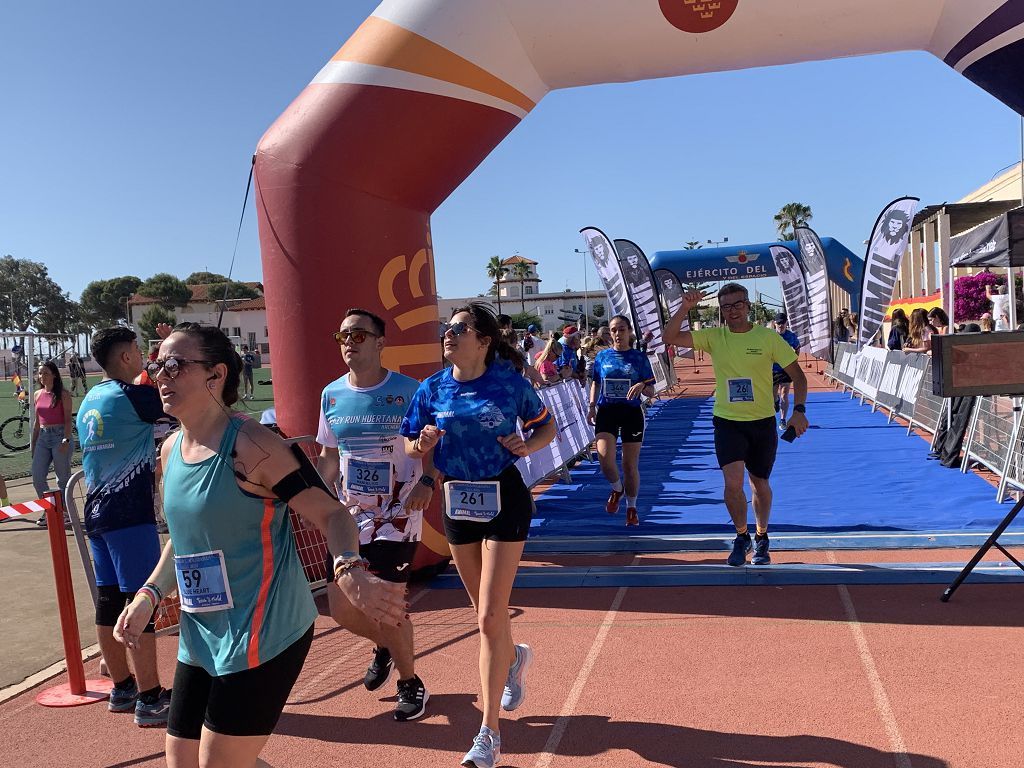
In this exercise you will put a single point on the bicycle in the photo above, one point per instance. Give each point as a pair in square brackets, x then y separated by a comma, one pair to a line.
[15, 432]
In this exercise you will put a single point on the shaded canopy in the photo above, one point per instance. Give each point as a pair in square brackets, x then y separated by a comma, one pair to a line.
[998, 242]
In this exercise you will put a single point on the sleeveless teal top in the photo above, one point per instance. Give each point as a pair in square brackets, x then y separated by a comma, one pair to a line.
[211, 519]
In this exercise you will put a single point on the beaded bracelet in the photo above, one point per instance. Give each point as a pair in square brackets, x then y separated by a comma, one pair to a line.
[349, 565]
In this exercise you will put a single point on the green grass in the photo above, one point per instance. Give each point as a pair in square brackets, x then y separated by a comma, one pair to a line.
[19, 464]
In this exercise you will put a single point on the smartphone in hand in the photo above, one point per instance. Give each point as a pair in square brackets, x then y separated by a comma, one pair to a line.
[789, 435]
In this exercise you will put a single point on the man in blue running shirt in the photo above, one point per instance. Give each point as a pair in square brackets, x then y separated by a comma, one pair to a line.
[781, 381]
[115, 425]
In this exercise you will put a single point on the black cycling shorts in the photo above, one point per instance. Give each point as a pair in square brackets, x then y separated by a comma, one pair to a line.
[620, 420]
[512, 522]
[246, 703]
[752, 442]
[389, 560]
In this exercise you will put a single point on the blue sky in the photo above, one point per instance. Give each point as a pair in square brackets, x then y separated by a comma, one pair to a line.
[127, 129]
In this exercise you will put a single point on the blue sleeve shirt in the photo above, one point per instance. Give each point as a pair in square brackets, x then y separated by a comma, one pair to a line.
[632, 365]
[115, 426]
[473, 415]
[793, 340]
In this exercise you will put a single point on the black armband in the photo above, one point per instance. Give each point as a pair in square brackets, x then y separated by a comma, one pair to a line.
[297, 481]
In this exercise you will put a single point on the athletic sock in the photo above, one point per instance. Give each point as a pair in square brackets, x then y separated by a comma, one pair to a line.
[631, 501]
[126, 683]
[742, 532]
[761, 534]
[617, 486]
[148, 697]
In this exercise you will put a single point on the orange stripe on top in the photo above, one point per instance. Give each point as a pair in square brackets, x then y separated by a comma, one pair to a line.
[268, 572]
[540, 417]
[385, 44]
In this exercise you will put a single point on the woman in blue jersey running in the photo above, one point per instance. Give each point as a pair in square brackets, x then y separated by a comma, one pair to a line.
[464, 423]
[621, 375]
[247, 613]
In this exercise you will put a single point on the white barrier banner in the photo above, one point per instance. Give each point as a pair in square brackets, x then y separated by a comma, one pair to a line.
[870, 367]
[567, 403]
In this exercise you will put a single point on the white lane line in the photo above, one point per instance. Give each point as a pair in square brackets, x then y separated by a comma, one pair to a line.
[569, 707]
[892, 729]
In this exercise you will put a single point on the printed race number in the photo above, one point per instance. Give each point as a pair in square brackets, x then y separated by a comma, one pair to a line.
[616, 389]
[476, 502]
[741, 391]
[366, 476]
[203, 582]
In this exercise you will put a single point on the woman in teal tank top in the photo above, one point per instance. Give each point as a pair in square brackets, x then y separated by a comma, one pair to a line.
[247, 613]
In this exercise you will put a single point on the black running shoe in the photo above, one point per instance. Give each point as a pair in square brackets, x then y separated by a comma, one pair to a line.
[379, 670]
[412, 699]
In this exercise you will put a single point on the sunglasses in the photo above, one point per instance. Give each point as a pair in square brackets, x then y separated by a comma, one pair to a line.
[456, 329]
[171, 366]
[357, 336]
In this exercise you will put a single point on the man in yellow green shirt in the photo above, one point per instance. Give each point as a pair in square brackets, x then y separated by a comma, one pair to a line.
[744, 414]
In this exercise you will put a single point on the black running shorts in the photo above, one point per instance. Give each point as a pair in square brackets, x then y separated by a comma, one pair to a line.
[780, 377]
[752, 442]
[511, 524]
[389, 560]
[620, 420]
[246, 703]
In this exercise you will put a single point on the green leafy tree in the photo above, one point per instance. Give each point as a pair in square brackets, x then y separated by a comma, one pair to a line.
[103, 301]
[28, 295]
[205, 278]
[521, 271]
[526, 319]
[169, 291]
[150, 319]
[235, 290]
[791, 216]
[496, 271]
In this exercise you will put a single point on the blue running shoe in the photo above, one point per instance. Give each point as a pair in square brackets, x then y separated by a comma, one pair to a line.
[740, 547]
[486, 750]
[515, 684]
[154, 714]
[122, 699]
[761, 556]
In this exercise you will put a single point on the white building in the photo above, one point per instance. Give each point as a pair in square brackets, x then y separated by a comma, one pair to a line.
[517, 295]
[245, 320]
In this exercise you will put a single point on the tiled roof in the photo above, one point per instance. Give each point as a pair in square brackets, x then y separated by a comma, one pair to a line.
[200, 294]
[258, 303]
[517, 259]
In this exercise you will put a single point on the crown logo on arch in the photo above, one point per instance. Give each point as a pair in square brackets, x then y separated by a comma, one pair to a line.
[697, 16]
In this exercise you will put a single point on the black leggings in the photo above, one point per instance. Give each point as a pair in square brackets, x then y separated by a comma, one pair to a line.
[246, 703]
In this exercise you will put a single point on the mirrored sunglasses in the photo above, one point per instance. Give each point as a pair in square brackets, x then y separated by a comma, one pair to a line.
[171, 366]
[456, 329]
[358, 336]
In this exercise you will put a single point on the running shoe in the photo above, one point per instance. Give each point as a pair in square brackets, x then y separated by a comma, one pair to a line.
[379, 670]
[782, 424]
[515, 685]
[612, 507]
[486, 750]
[412, 699]
[122, 699]
[632, 517]
[761, 556]
[740, 547]
[153, 714]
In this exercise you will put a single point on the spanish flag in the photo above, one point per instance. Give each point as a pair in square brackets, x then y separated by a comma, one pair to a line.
[926, 303]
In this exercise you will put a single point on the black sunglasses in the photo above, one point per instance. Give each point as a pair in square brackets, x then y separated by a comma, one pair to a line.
[171, 366]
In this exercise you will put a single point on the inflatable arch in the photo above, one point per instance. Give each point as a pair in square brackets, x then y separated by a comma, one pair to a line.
[349, 174]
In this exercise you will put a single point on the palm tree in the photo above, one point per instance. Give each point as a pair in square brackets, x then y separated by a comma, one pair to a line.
[693, 245]
[791, 216]
[496, 271]
[521, 271]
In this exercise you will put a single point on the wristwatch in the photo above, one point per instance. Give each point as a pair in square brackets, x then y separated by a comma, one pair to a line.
[427, 480]
[800, 408]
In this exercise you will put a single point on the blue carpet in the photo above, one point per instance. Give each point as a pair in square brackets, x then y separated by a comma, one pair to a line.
[850, 472]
